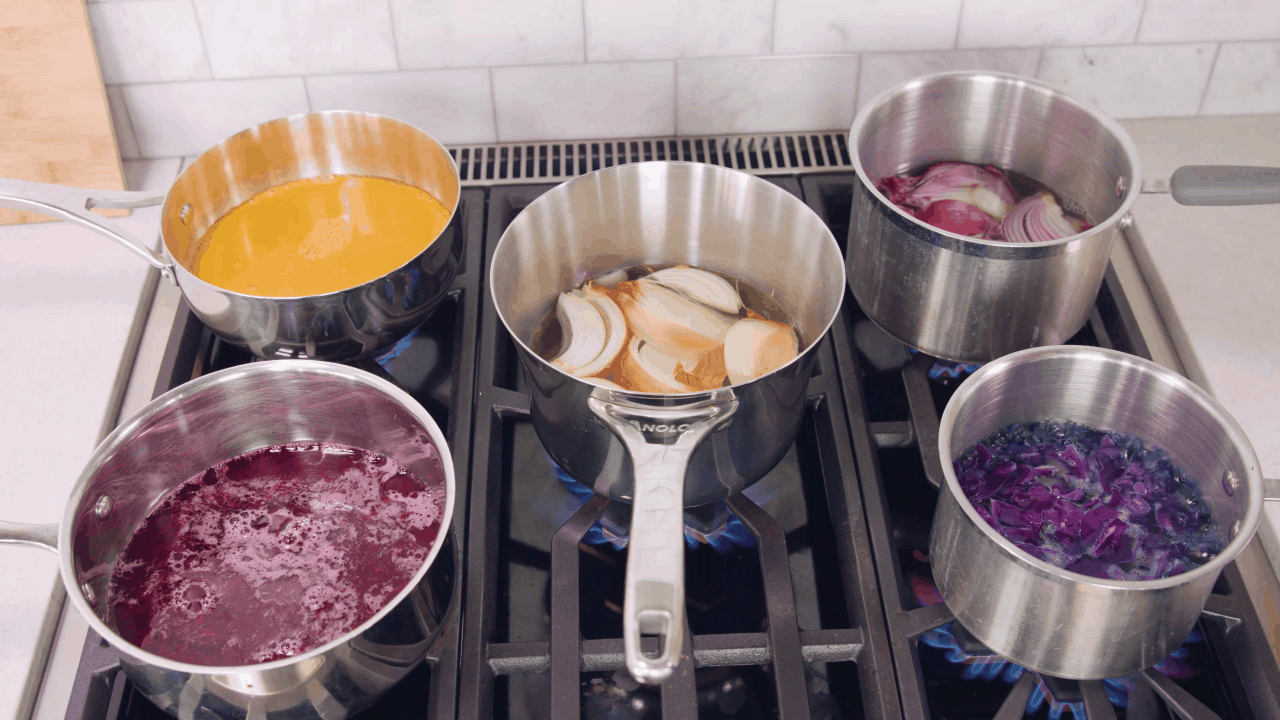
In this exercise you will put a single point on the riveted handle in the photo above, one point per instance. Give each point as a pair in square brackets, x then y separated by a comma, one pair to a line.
[43, 536]
[661, 442]
[74, 205]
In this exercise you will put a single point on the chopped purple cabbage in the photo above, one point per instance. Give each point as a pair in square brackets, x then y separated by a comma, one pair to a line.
[1094, 502]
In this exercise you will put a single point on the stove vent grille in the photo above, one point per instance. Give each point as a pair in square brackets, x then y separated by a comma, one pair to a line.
[512, 163]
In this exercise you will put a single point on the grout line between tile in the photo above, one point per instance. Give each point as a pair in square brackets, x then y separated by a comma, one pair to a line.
[857, 89]
[675, 97]
[493, 107]
[128, 117]
[582, 4]
[204, 44]
[773, 30]
[395, 42]
[793, 56]
[306, 92]
[1142, 15]
[959, 24]
[1213, 65]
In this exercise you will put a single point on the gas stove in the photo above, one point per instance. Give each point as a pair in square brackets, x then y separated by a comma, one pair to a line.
[809, 595]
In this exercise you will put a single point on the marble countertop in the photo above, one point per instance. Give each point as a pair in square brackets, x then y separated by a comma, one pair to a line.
[69, 299]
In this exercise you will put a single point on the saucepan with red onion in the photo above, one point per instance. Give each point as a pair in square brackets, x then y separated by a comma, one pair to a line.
[988, 206]
[1091, 500]
[270, 540]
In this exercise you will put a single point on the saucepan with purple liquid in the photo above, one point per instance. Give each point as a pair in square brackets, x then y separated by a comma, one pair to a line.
[270, 539]
[1091, 500]
[987, 208]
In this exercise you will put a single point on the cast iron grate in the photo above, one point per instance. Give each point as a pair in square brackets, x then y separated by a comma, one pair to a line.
[434, 365]
[772, 154]
[807, 671]
[895, 434]
[859, 658]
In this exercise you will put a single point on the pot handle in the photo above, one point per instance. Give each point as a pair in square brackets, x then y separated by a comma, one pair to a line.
[1220, 185]
[653, 602]
[73, 204]
[44, 536]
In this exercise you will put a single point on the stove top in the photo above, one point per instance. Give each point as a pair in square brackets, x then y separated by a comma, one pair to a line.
[809, 595]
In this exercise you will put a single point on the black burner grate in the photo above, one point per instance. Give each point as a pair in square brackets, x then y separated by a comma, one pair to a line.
[893, 409]
[819, 617]
[756, 657]
[434, 365]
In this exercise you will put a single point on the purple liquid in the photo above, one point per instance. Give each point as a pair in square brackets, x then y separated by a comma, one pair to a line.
[273, 553]
[1094, 502]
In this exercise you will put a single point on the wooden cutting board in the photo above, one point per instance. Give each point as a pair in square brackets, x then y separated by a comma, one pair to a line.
[54, 122]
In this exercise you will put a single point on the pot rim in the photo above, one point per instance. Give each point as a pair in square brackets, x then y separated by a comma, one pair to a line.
[976, 382]
[1132, 192]
[125, 431]
[293, 120]
[684, 397]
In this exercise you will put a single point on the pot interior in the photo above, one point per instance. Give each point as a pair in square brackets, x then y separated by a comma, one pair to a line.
[1016, 124]
[219, 417]
[295, 148]
[1109, 390]
[665, 213]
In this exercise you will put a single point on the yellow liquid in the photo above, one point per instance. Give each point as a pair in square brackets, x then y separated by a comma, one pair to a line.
[318, 235]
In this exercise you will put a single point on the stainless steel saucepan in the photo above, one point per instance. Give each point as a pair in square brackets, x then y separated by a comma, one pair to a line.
[340, 325]
[215, 418]
[972, 300]
[1043, 617]
[662, 453]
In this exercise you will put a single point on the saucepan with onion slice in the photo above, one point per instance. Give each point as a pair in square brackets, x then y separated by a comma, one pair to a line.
[646, 305]
[987, 206]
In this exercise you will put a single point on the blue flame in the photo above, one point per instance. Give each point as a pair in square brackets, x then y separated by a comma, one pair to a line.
[989, 667]
[943, 370]
[387, 357]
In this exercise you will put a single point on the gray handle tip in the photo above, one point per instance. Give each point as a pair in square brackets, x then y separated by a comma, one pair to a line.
[1225, 185]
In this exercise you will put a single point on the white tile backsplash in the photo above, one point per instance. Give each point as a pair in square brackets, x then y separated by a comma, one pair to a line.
[255, 38]
[1245, 80]
[1132, 81]
[454, 106]
[572, 69]
[148, 41]
[476, 33]
[177, 119]
[126, 141]
[665, 29]
[823, 26]
[595, 100]
[1184, 20]
[1001, 23]
[880, 72]
[765, 95]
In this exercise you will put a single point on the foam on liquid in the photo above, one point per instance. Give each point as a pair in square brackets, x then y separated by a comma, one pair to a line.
[273, 553]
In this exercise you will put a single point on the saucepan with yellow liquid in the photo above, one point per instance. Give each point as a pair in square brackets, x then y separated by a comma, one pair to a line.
[327, 235]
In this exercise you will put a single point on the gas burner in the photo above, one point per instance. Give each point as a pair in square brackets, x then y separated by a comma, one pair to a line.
[719, 692]
[711, 524]
[944, 370]
[980, 663]
[1061, 695]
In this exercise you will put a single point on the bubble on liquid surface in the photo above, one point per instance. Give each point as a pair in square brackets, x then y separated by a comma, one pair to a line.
[291, 547]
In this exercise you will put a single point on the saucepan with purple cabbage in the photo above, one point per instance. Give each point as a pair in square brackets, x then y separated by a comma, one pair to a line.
[987, 208]
[1091, 500]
